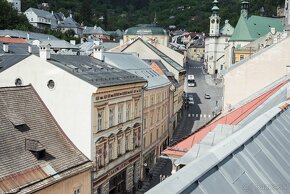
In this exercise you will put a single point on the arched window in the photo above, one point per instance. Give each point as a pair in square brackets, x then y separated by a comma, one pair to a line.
[233, 55]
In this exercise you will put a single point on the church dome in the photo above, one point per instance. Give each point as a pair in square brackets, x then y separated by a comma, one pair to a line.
[145, 29]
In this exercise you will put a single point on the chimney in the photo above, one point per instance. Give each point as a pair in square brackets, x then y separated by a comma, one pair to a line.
[70, 15]
[95, 27]
[29, 49]
[44, 51]
[121, 41]
[6, 47]
[28, 36]
[273, 30]
[73, 42]
[98, 53]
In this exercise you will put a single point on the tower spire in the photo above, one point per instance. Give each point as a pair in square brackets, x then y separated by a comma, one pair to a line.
[245, 8]
[214, 20]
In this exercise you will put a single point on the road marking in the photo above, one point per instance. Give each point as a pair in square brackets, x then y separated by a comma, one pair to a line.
[200, 115]
[196, 115]
[188, 115]
[209, 116]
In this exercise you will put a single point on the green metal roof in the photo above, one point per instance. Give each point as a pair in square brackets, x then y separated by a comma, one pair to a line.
[145, 29]
[255, 27]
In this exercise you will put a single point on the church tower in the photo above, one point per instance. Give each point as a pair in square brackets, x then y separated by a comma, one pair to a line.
[214, 19]
[245, 9]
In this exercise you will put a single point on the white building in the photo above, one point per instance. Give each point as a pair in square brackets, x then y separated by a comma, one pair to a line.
[216, 42]
[39, 18]
[16, 4]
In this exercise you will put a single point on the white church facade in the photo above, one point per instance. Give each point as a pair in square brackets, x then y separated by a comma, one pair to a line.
[216, 42]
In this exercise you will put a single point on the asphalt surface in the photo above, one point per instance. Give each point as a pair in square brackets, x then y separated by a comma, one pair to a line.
[195, 116]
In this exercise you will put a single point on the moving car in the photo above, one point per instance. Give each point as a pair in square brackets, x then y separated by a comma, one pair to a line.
[206, 96]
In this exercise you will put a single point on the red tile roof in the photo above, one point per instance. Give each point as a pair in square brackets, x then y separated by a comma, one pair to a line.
[12, 40]
[232, 118]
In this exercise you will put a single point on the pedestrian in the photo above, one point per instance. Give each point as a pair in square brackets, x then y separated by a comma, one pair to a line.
[163, 177]
[150, 176]
[160, 177]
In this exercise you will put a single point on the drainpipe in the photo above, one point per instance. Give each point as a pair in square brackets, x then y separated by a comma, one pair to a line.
[142, 132]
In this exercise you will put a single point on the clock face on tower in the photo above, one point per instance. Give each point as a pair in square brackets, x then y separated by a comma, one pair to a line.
[212, 21]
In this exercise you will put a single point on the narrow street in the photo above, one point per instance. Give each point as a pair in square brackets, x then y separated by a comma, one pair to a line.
[195, 116]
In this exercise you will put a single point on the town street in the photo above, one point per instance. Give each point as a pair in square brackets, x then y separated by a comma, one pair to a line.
[195, 116]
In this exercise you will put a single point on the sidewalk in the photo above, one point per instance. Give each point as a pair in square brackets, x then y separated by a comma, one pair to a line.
[212, 80]
[163, 166]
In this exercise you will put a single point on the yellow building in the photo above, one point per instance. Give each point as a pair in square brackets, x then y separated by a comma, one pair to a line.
[147, 32]
[117, 137]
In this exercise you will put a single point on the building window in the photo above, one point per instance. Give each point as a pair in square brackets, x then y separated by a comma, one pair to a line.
[158, 114]
[136, 109]
[50, 84]
[119, 147]
[145, 122]
[111, 117]
[77, 191]
[145, 102]
[120, 113]
[144, 142]
[135, 142]
[157, 133]
[128, 111]
[100, 120]
[18, 82]
[127, 143]
[110, 151]
[150, 137]
[241, 57]
[152, 100]
[100, 156]
[152, 118]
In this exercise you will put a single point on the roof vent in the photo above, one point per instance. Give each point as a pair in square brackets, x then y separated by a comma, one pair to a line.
[18, 122]
[36, 148]
[5, 47]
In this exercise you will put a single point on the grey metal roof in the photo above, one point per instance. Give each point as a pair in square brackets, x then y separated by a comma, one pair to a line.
[136, 66]
[7, 61]
[23, 34]
[94, 71]
[255, 159]
[165, 57]
[222, 132]
[62, 44]
[168, 73]
[94, 30]
[19, 49]
[61, 160]
[40, 13]
[69, 23]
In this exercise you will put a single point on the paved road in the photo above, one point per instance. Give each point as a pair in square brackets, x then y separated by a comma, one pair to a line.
[193, 117]
[202, 110]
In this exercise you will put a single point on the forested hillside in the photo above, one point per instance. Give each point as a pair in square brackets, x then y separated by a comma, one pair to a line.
[189, 14]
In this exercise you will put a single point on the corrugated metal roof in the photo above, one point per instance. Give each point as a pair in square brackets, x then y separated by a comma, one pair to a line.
[20, 169]
[253, 160]
[134, 65]
[233, 118]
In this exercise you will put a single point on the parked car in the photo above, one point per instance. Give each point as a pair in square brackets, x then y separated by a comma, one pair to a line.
[207, 96]
[190, 99]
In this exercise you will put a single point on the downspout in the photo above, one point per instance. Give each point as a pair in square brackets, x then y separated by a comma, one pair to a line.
[142, 132]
